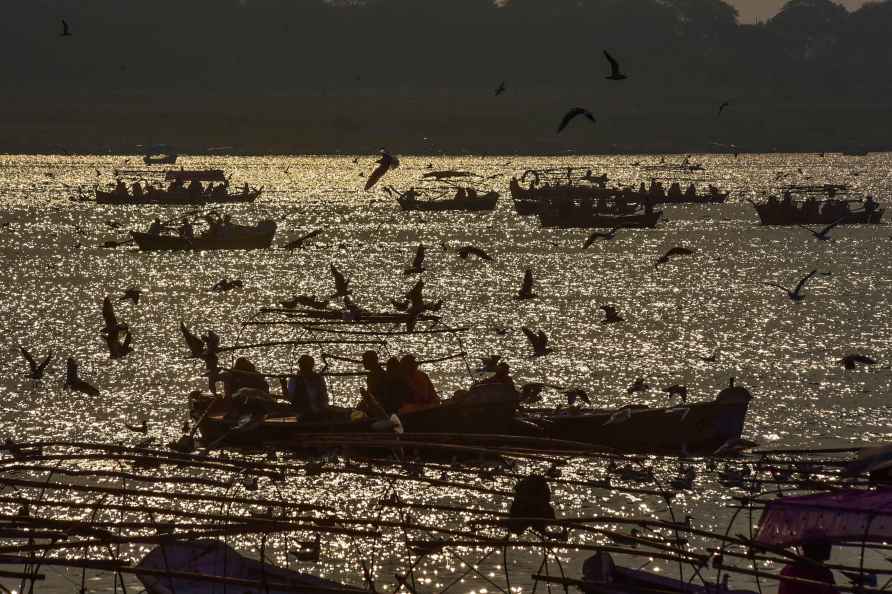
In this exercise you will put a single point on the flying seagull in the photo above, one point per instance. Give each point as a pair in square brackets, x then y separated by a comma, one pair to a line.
[470, 250]
[112, 326]
[676, 251]
[36, 370]
[74, 382]
[538, 340]
[853, 360]
[417, 262]
[526, 289]
[723, 106]
[196, 345]
[576, 111]
[342, 284]
[599, 235]
[385, 164]
[795, 294]
[501, 89]
[615, 73]
[822, 235]
[299, 242]
[66, 31]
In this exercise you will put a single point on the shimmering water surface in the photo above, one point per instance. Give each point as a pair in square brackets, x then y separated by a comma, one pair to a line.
[54, 275]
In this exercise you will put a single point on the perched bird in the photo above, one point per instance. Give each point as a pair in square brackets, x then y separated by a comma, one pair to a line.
[526, 289]
[141, 428]
[305, 300]
[195, 344]
[66, 30]
[822, 235]
[133, 294]
[36, 371]
[74, 382]
[722, 107]
[225, 284]
[469, 250]
[599, 235]
[676, 251]
[577, 394]
[568, 117]
[501, 88]
[677, 390]
[615, 73]
[490, 363]
[538, 340]
[417, 262]
[852, 361]
[638, 386]
[342, 284]
[796, 294]
[385, 164]
[299, 242]
[611, 316]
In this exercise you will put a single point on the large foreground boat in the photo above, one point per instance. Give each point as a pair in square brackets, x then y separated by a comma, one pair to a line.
[812, 211]
[184, 188]
[221, 236]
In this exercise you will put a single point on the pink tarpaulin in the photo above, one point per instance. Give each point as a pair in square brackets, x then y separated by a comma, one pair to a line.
[843, 515]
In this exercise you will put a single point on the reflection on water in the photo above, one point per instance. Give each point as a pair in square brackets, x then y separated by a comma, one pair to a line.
[55, 275]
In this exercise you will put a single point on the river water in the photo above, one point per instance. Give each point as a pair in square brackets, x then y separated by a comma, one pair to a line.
[55, 274]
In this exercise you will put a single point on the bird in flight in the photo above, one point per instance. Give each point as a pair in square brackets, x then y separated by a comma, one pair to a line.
[133, 294]
[36, 371]
[225, 284]
[599, 235]
[853, 360]
[822, 235]
[796, 294]
[66, 30]
[615, 73]
[501, 88]
[112, 326]
[722, 107]
[526, 289]
[305, 300]
[538, 340]
[74, 382]
[385, 164]
[300, 241]
[417, 262]
[568, 117]
[195, 344]
[611, 316]
[342, 284]
[676, 251]
[465, 252]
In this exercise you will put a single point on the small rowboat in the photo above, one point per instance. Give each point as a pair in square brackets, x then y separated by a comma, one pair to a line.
[236, 237]
[480, 203]
[210, 566]
[585, 218]
[160, 159]
[701, 427]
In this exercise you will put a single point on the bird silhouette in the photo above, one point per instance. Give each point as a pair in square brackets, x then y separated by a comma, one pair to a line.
[133, 294]
[141, 428]
[299, 242]
[385, 164]
[796, 294]
[342, 284]
[611, 316]
[538, 340]
[118, 348]
[677, 390]
[599, 235]
[501, 88]
[73, 380]
[722, 107]
[574, 112]
[195, 344]
[112, 326]
[639, 385]
[66, 30]
[305, 300]
[615, 73]
[852, 361]
[526, 289]
[36, 371]
[676, 251]
[417, 266]
[225, 284]
[822, 235]
[469, 250]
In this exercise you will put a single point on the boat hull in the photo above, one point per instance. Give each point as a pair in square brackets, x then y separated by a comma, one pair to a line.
[792, 215]
[165, 198]
[243, 238]
[585, 219]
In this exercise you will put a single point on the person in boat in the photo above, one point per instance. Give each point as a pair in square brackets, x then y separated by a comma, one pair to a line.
[787, 202]
[245, 189]
[375, 386]
[219, 191]
[176, 185]
[242, 375]
[195, 188]
[214, 224]
[472, 194]
[816, 549]
[460, 194]
[501, 376]
[137, 190]
[421, 389]
[209, 191]
[691, 192]
[870, 205]
[186, 229]
[225, 224]
[307, 390]
[810, 207]
[155, 228]
[675, 190]
[772, 201]
[120, 188]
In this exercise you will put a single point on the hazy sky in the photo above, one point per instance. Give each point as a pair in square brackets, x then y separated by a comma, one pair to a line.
[751, 10]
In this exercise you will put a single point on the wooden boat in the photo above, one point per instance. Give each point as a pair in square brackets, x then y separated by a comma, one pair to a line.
[700, 427]
[233, 237]
[814, 213]
[580, 217]
[486, 409]
[211, 566]
[178, 194]
[482, 202]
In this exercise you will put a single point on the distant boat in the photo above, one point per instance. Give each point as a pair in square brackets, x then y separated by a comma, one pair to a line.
[160, 154]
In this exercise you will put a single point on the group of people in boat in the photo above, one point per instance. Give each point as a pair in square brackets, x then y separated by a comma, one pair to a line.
[831, 208]
[217, 227]
[396, 386]
[143, 189]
